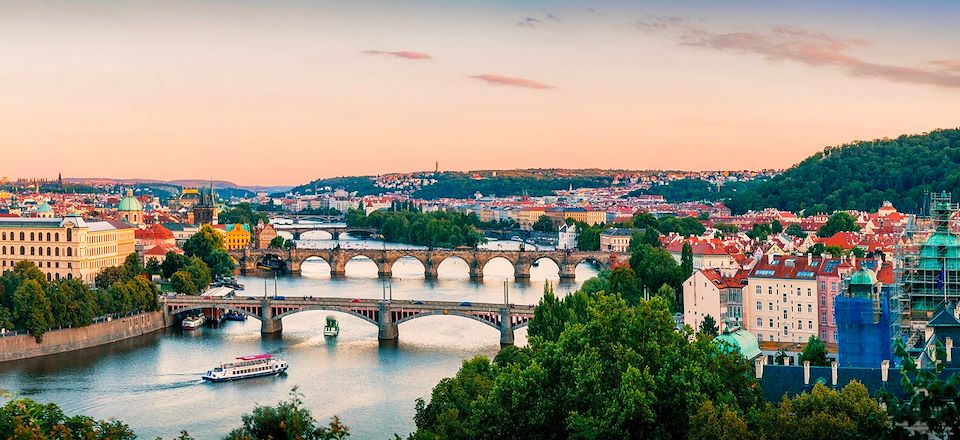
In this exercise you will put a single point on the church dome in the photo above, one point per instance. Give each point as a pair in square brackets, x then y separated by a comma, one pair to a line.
[863, 277]
[44, 208]
[130, 203]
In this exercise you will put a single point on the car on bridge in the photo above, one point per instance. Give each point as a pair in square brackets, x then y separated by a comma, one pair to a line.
[466, 304]
[355, 300]
[279, 298]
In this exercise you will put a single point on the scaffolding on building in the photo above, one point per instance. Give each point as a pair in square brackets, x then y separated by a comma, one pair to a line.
[926, 270]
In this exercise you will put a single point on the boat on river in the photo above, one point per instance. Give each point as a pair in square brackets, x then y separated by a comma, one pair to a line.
[332, 328]
[247, 367]
[234, 316]
[193, 322]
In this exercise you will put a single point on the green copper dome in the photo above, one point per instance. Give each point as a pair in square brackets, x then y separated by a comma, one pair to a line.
[939, 247]
[741, 340]
[130, 203]
[864, 277]
[44, 208]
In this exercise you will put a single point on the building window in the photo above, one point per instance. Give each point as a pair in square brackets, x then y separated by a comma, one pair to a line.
[798, 291]
[23, 236]
[770, 306]
[31, 237]
[771, 322]
[833, 286]
[810, 325]
[48, 236]
[759, 322]
[823, 285]
[823, 319]
[69, 252]
[23, 250]
[809, 291]
[56, 252]
[56, 236]
[769, 290]
[823, 302]
[784, 297]
[784, 314]
[69, 234]
[799, 324]
[759, 338]
[799, 308]
[785, 331]
[759, 305]
[809, 308]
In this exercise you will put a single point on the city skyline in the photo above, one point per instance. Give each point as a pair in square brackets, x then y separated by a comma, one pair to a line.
[281, 93]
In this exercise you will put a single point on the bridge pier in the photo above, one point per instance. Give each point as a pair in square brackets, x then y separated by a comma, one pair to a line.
[385, 269]
[506, 327]
[389, 331]
[568, 271]
[476, 271]
[268, 325]
[334, 234]
[521, 271]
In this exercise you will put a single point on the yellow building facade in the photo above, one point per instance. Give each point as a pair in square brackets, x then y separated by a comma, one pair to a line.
[67, 247]
[236, 236]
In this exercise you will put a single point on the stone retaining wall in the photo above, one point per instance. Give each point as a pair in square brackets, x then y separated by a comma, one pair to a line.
[60, 341]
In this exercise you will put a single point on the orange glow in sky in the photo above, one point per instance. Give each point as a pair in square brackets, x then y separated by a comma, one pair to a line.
[282, 92]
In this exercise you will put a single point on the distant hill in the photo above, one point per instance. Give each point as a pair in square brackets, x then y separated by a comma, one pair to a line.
[862, 175]
[695, 190]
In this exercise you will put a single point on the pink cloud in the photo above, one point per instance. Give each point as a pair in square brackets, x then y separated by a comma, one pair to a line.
[405, 54]
[816, 49]
[497, 80]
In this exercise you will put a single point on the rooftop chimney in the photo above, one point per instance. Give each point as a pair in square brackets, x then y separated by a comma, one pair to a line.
[949, 349]
[833, 366]
[806, 372]
[884, 370]
[758, 364]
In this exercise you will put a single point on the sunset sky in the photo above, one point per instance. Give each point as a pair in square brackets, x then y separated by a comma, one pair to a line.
[281, 92]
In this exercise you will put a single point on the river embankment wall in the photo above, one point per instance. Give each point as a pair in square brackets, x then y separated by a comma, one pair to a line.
[18, 347]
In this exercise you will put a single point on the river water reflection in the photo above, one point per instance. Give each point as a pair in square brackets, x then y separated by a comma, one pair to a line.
[152, 383]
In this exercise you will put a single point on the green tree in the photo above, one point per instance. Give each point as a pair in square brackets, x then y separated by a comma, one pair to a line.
[220, 263]
[711, 423]
[277, 242]
[133, 265]
[26, 270]
[669, 295]
[624, 282]
[287, 420]
[31, 308]
[110, 275]
[794, 230]
[655, 267]
[619, 372]
[686, 261]
[173, 262]
[726, 228]
[651, 238]
[709, 326]
[684, 227]
[776, 227]
[203, 243]
[181, 282]
[26, 419]
[759, 231]
[200, 274]
[823, 413]
[242, 213]
[153, 267]
[838, 222]
[815, 352]
[543, 224]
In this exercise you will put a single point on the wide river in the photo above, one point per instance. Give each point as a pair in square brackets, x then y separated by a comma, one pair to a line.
[153, 383]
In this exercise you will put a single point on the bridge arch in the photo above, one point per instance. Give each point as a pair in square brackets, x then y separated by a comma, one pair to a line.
[493, 321]
[196, 307]
[316, 234]
[547, 267]
[454, 266]
[337, 309]
[485, 265]
[410, 265]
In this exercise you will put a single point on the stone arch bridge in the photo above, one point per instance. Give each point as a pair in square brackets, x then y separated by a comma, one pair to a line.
[337, 258]
[297, 230]
[387, 315]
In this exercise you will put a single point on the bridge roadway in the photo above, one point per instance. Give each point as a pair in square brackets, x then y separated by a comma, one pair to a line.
[298, 229]
[387, 315]
[567, 260]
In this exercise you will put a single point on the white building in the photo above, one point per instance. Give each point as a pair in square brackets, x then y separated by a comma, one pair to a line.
[714, 292]
[567, 237]
[780, 299]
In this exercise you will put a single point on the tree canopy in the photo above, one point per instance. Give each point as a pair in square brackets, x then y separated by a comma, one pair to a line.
[862, 175]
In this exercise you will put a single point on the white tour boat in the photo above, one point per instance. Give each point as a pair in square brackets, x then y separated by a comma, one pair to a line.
[247, 367]
[193, 322]
[332, 329]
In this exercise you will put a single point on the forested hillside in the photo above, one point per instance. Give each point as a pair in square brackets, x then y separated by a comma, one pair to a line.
[863, 174]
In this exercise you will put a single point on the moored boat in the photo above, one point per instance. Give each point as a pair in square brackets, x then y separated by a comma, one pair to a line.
[234, 316]
[247, 367]
[193, 322]
[332, 328]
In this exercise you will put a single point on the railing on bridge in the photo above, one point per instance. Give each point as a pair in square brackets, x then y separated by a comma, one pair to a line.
[386, 314]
